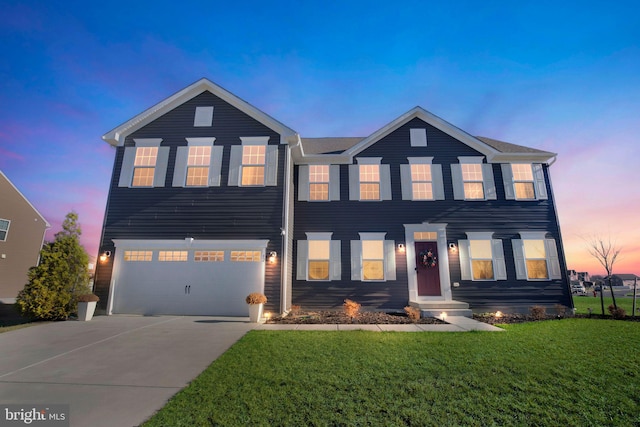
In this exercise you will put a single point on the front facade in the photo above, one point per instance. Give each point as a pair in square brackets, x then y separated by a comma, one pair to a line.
[211, 199]
[22, 231]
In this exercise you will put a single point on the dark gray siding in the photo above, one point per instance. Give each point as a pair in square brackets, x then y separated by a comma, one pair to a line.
[503, 217]
[202, 213]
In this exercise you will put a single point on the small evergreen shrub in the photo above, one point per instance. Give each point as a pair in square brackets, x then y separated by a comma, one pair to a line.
[538, 312]
[351, 308]
[412, 313]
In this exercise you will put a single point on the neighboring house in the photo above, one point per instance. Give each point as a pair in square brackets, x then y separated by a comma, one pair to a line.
[622, 279]
[22, 231]
[573, 275]
[211, 199]
[584, 276]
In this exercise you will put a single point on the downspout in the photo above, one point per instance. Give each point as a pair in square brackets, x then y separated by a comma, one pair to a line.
[284, 232]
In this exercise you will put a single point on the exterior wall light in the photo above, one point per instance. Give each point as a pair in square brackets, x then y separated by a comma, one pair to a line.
[401, 248]
[272, 257]
[104, 256]
[453, 247]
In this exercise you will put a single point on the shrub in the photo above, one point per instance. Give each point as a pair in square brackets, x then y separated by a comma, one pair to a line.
[295, 310]
[413, 313]
[88, 298]
[538, 312]
[617, 313]
[561, 310]
[256, 298]
[351, 308]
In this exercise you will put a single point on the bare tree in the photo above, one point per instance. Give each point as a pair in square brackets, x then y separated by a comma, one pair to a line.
[606, 252]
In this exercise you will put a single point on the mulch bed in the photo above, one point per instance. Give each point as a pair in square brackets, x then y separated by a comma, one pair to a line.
[339, 317]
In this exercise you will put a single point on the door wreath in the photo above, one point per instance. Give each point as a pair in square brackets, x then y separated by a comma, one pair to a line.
[427, 259]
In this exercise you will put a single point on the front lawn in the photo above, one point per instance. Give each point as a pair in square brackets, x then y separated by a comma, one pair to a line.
[560, 372]
[583, 303]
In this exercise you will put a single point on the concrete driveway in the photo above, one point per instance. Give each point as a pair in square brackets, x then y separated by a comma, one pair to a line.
[112, 371]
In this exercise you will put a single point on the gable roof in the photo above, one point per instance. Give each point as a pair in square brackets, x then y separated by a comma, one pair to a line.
[117, 135]
[328, 145]
[2, 175]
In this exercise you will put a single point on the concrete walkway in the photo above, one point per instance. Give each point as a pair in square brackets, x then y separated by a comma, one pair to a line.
[454, 324]
[119, 370]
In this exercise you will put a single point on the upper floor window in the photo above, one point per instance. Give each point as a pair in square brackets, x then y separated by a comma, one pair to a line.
[198, 164]
[482, 257]
[145, 164]
[373, 258]
[4, 229]
[369, 180]
[318, 182]
[524, 181]
[254, 163]
[536, 257]
[421, 180]
[472, 179]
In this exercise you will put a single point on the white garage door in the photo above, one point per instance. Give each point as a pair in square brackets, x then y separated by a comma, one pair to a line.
[186, 277]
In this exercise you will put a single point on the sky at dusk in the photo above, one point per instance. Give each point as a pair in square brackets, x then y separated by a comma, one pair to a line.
[548, 75]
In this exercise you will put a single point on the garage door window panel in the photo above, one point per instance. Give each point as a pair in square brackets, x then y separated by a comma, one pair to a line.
[138, 255]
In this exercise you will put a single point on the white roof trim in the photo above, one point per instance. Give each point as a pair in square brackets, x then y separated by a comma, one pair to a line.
[26, 200]
[117, 135]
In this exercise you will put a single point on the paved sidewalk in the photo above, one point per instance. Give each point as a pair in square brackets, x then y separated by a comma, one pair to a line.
[454, 324]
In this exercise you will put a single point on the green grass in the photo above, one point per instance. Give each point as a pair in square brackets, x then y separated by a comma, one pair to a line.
[571, 372]
[15, 327]
[582, 303]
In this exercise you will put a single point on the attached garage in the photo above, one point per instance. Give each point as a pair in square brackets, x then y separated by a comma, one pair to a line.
[186, 277]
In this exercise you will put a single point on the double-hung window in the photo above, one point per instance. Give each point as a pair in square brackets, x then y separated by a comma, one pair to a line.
[482, 257]
[318, 258]
[4, 229]
[318, 183]
[373, 258]
[421, 180]
[536, 257]
[524, 181]
[369, 180]
[473, 179]
[198, 164]
[254, 163]
[145, 164]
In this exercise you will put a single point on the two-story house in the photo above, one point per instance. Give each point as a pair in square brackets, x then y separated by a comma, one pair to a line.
[211, 199]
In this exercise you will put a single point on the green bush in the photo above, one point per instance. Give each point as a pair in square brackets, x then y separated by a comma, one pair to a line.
[62, 275]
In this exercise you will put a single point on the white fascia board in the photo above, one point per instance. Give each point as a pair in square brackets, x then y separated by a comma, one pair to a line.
[324, 159]
[117, 135]
[189, 244]
[547, 158]
[431, 119]
[47, 225]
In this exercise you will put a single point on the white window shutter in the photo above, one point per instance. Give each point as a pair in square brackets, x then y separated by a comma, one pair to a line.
[234, 166]
[437, 182]
[302, 260]
[161, 167]
[499, 265]
[334, 182]
[465, 260]
[303, 183]
[335, 260]
[215, 166]
[507, 179]
[389, 260]
[271, 166]
[356, 260]
[540, 183]
[385, 182]
[518, 255]
[489, 183]
[405, 181]
[180, 169]
[354, 182]
[553, 262]
[458, 184]
[126, 171]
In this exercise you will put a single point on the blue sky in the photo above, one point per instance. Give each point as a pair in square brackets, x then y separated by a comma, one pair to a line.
[559, 77]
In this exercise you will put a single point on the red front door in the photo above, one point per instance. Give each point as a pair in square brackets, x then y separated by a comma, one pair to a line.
[427, 269]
